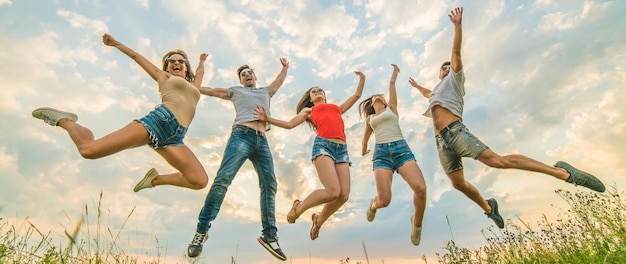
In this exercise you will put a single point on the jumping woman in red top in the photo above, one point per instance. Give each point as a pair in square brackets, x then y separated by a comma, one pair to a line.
[330, 152]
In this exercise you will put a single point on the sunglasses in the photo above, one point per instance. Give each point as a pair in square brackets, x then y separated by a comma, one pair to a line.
[244, 73]
[445, 68]
[318, 90]
[172, 60]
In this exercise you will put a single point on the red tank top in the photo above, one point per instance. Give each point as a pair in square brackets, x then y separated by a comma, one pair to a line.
[327, 119]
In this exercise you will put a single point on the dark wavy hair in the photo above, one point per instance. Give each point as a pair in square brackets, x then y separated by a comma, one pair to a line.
[305, 101]
[189, 76]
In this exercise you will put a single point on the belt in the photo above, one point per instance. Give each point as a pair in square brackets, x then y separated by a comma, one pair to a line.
[445, 129]
[251, 130]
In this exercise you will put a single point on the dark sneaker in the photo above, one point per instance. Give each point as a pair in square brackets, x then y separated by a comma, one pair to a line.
[271, 244]
[578, 177]
[494, 214]
[195, 247]
[370, 212]
[52, 116]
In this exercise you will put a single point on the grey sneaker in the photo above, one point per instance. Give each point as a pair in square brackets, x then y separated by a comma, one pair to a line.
[195, 247]
[494, 214]
[578, 177]
[271, 244]
[146, 182]
[52, 116]
[416, 233]
[371, 214]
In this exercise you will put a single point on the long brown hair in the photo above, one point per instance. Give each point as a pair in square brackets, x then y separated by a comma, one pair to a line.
[366, 108]
[189, 76]
[305, 101]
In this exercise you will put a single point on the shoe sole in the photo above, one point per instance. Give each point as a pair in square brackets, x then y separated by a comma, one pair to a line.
[37, 113]
[270, 249]
[588, 180]
[148, 175]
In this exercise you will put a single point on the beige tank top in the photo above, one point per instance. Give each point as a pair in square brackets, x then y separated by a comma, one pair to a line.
[181, 97]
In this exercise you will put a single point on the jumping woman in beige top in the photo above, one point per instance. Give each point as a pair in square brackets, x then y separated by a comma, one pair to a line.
[163, 129]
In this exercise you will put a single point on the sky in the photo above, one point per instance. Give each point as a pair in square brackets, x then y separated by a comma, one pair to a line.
[544, 79]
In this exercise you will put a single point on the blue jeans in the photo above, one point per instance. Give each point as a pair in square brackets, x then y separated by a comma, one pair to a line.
[337, 152]
[244, 143]
[163, 128]
[391, 155]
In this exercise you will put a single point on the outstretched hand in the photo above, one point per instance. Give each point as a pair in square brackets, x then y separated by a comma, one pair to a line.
[109, 40]
[260, 114]
[413, 82]
[203, 56]
[284, 62]
[456, 15]
[395, 67]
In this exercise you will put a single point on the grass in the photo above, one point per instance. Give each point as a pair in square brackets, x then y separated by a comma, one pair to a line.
[592, 230]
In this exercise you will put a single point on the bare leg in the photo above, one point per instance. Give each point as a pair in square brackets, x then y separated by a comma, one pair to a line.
[458, 182]
[521, 162]
[412, 174]
[130, 136]
[328, 177]
[384, 178]
[191, 172]
[343, 173]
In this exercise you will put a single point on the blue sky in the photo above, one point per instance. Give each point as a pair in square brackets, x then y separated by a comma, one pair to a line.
[544, 78]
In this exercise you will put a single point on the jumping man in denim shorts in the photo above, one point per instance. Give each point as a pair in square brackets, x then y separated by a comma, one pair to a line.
[455, 141]
[247, 142]
[329, 155]
[392, 154]
[163, 129]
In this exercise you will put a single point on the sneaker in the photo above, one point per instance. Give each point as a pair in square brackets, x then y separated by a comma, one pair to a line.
[416, 233]
[271, 244]
[52, 116]
[195, 247]
[578, 177]
[494, 214]
[146, 182]
[371, 213]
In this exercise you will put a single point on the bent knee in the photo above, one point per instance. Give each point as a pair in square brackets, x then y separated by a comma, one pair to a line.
[199, 184]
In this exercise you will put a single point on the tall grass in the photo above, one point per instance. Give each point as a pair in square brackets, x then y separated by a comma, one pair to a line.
[86, 242]
[592, 230]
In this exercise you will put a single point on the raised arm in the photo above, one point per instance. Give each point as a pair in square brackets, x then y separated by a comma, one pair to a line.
[456, 16]
[425, 92]
[366, 136]
[197, 82]
[357, 94]
[215, 92]
[259, 113]
[280, 78]
[152, 70]
[393, 96]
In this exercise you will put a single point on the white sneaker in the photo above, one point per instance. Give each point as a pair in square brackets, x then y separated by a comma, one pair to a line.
[146, 182]
[52, 116]
[416, 233]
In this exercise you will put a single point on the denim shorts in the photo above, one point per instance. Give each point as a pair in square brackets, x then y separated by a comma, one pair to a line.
[454, 142]
[392, 155]
[163, 128]
[336, 151]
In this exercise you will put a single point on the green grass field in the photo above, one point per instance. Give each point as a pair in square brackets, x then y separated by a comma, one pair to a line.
[591, 230]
